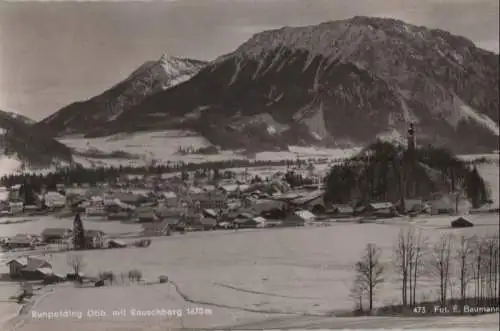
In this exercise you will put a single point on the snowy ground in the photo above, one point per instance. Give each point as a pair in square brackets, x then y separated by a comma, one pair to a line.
[255, 274]
[213, 317]
[8, 165]
[490, 173]
[163, 146]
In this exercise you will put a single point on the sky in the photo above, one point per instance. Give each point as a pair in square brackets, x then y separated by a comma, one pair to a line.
[55, 53]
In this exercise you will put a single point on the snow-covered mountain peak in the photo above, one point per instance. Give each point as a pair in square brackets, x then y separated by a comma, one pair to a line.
[174, 66]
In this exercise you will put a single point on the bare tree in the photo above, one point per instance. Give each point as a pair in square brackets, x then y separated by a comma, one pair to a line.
[490, 257]
[479, 270]
[440, 264]
[369, 271]
[357, 293]
[76, 263]
[418, 263]
[464, 255]
[405, 257]
[496, 268]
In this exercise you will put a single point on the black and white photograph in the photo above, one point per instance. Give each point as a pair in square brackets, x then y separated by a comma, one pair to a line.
[249, 165]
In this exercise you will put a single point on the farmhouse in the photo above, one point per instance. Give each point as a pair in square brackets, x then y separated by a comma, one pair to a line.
[312, 201]
[445, 204]
[55, 235]
[380, 209]
[412, 205]
[54, 199]
[29, 268]
[341, 211]
[20, 241]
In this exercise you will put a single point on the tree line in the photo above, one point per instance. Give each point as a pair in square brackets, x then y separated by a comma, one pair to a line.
[464, 269]
[384, 172]
[78, 174]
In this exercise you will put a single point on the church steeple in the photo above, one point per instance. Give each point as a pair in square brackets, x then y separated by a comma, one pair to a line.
[411, 139]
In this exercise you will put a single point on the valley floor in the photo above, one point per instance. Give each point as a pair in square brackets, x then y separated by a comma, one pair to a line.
[250, 279]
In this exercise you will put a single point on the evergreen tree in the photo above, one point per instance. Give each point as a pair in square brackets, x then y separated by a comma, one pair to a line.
[475, 188]
[78, 232]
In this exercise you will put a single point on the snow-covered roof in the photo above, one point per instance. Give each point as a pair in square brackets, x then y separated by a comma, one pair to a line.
[20, 260]
[259, 219]
[210, 212]
[193, 189]
[169, 194]
[305, 215]
[45, 271]
[381, 205]
[308, 197]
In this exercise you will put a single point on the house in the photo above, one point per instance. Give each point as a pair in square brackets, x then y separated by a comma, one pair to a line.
[97, 210]
[312, 201]
[340, 211]
[258, 206]
[20, 241]
[146, 214]
[115, 205]
[4, 194]
[123, 215]
[299, 218]
[16, 265]
[244, 220]
[210, 200]
[129, 198]
[170, 198]
[16, 207]
[461, 223]
[208, 223]
[55, 235]
[15, 192]
[54, 200]
[29, 268]
[441, 204]
[94, 239]
[210, 213]
[163, 212]
[379, 209]
[158, 228]
[448, 204]
[412, 206]
[264, 223]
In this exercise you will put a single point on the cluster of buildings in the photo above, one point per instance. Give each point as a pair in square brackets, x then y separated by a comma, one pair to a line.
[153, 199]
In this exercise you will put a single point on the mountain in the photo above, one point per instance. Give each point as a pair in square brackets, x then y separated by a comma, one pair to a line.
[24, 145]
[339, 83]
[150, 78]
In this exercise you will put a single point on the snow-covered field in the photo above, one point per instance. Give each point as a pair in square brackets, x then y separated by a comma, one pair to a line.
[8, 165]
[163, 146]
[254, 274]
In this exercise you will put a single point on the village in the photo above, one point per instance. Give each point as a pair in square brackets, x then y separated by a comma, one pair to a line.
[164, 206]
[179, 203]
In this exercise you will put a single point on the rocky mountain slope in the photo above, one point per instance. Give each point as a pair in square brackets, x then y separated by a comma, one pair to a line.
[148, 79]
[27, 145]
[338, 83]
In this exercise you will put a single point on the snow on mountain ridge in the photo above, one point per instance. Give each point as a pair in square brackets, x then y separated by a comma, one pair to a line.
[322, 39]
[150, 78]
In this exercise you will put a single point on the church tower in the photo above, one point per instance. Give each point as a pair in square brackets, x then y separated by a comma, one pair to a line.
[411, 139]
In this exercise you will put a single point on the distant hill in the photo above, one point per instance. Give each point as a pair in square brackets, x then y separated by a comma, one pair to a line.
[20, 140]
